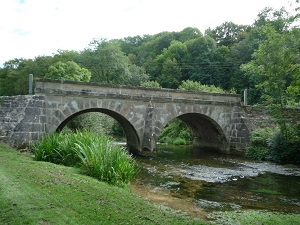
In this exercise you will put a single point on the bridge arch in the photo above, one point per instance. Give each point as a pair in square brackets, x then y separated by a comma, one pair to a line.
[133, 141]
[207, 132]
[59, 111]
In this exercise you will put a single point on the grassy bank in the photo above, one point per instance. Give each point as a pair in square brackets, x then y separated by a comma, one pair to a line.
[34, 192]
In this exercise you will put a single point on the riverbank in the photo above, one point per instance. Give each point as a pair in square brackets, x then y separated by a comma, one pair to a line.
[34, 192]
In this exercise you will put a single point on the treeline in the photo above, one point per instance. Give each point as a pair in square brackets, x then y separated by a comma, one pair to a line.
[168, 58]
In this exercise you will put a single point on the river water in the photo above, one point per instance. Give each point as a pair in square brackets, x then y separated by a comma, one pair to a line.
[197, 182]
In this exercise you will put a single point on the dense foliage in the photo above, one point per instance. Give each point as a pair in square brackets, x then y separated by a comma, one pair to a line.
[259, 143]
[270, 144]
[168, 58]
[177, 133]
[95, 153]
[68, 71]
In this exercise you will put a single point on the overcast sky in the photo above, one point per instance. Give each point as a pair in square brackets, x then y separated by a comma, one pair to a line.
[29, 28]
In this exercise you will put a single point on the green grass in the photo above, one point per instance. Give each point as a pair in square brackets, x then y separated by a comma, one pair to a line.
[34, 192]
[256, 217]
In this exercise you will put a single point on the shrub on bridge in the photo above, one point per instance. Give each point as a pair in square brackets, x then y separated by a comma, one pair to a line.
[96, 154]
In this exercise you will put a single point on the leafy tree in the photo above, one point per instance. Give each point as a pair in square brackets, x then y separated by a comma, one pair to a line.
[177, 50]
[224, 67]
[243, 50]
[106, 61]
[276, 66]
[160, 41]
[14, 76]
[136, 76]
[68, 71]
[7, 78]
[41, 65]
[109, 64]
[66, 56]
[150, 49]
[227, 33]
[201, 66]
[171, 61]
[171, 73]
[130, 45]
[188, 34]
[280, 20]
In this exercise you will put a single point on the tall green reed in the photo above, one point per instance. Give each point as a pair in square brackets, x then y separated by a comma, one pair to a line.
[96, 154]
[56, 148]
[107, 162]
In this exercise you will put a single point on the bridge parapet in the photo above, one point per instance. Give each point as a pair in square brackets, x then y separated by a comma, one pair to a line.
[58, 87]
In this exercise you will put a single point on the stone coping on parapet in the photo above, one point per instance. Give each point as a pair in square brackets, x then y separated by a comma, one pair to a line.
[44, 86]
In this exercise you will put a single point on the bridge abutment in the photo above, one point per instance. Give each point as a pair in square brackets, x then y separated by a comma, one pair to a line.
[22, 119]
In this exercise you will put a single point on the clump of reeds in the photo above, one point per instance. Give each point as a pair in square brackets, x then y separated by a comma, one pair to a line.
[96, 154]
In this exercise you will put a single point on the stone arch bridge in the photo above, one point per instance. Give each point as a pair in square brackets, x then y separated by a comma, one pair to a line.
[217, 120]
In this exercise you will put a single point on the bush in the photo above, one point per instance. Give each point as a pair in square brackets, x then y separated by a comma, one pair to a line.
[179, 141]
[257, 153]
[271, 144]
[197, 86]
[261, 136]
[284, 150]
[259, 144]
[96, 154]
[151, 84]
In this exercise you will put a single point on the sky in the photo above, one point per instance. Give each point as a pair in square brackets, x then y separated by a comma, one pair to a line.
[30, 28]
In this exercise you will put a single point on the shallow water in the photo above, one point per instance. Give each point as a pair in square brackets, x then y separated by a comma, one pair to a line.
[197, 181]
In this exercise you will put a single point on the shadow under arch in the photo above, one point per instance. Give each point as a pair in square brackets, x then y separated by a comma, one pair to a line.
[207, 132]
[133, 142]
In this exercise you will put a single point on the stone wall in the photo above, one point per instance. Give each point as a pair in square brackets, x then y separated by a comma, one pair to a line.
[22, 119]
[259, 117]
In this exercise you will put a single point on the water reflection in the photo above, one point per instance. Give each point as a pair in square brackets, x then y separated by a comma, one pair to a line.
[219, 182]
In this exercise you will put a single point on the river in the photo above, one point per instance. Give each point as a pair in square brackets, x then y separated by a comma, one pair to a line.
[196, 182]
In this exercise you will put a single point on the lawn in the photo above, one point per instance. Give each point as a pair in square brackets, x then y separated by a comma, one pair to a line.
[33, 192]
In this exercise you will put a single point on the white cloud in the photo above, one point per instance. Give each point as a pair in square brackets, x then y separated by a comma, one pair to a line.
[40, 27]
